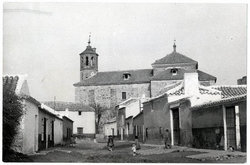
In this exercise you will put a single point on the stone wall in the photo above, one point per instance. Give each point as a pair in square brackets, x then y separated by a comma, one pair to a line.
[109, 95]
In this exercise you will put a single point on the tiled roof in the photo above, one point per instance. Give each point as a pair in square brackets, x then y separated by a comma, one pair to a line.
[71, 106]
[167, 75]
[219, 102]
[116, 78]
[168, 87]
[31, 99]
[231, 91]
[177, 89]
[174, 58]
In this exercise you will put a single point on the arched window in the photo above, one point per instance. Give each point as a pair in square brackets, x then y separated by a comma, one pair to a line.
[92, 61]
[87, 61]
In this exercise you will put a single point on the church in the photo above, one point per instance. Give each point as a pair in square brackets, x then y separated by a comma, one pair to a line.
[110, 88]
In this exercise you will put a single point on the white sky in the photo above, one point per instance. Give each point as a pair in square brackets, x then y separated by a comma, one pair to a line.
[44, 40]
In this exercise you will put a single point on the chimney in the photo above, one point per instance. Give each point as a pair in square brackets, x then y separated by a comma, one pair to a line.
[67, 112]
[191, 84]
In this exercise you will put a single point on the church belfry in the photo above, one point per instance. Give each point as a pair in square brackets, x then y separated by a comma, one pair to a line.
[88, 62]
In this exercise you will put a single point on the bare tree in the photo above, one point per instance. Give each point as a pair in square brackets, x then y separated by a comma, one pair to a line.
[99, 114]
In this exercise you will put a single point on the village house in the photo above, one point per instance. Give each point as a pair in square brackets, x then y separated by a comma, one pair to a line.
[109, 89]
[40, 127]
[187, 109]
[82, 115]
[125, 113]
[110, 127]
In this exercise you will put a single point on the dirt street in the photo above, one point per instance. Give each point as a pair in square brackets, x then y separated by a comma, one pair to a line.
[88, 151]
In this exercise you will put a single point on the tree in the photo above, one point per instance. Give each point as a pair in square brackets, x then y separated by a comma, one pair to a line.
[12, 112]
[99, 115]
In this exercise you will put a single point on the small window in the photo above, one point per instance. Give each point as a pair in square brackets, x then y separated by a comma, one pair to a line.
[79, 130]
[124, 96]
[79, 113]
[126, 76]
[174, 71]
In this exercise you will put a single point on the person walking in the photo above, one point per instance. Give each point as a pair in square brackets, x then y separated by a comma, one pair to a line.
[167, 139]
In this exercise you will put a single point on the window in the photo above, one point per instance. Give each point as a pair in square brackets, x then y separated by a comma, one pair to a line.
[87, 61]
[123, 95]
[92, 61]
[174, 71]
[79, 113]
[79, 130]
[126, 76]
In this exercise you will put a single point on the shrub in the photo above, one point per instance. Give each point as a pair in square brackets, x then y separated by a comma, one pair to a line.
[12, 112]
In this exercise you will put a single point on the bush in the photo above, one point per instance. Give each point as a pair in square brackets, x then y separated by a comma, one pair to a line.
[12, 112]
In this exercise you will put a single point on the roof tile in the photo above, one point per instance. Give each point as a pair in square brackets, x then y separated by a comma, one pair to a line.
[116, 78]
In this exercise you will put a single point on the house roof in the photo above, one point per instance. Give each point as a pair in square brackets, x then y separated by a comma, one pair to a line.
[116, 78]
[219, 102]
[71, 106]
[174, 58]
[167, 75]
[141, 113]
[231, 91]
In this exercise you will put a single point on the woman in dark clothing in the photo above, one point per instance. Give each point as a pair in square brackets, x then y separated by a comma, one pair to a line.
[110, 143]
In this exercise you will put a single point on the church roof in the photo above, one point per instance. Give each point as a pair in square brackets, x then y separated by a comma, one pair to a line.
[117, 78]
[89, 50]
[71, 106]
[167, 75]
[174, 58]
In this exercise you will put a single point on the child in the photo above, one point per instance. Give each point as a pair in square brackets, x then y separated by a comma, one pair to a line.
[110, 143]
[167, 140]
[134, 149]
[72, 141]
[137, 144]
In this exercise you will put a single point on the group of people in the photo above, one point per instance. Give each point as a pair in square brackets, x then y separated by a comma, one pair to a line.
[136, 145]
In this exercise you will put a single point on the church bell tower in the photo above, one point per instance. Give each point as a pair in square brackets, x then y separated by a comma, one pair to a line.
[88, 62]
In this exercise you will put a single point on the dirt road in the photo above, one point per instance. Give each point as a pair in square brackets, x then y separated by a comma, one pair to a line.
[87, 151]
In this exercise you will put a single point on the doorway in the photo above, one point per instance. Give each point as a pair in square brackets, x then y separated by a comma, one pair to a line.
[176, 126]
[231, 127]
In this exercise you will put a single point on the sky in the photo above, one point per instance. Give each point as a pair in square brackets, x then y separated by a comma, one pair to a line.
[44, 40]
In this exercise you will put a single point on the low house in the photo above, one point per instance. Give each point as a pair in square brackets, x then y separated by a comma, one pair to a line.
[26, 141]
[125, 113]
[67, 128]
[138, 124]
[82, 115]
[110, 127]
[228, 125]
[186, 109]
[46, 130]
[40, 127]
